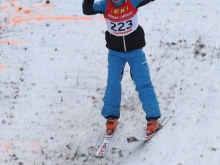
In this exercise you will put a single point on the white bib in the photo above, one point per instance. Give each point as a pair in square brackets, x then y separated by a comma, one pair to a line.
[121, 20]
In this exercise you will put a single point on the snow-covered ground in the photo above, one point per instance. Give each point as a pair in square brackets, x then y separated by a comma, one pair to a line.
[53, 66]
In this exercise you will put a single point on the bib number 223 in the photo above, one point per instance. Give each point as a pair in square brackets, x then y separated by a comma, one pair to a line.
[121, 26]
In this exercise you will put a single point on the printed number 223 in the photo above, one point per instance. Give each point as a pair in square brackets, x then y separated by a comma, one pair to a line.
[121, 26]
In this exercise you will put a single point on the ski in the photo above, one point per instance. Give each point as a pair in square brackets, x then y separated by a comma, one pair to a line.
[104, 146]
[162, 123]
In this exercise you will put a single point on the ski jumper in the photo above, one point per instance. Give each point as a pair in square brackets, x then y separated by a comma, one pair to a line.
[125, 40]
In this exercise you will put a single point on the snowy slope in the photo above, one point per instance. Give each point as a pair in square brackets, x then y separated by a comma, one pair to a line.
[53, 65]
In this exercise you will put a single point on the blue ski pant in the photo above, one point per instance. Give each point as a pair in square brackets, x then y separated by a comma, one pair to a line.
[140, 75]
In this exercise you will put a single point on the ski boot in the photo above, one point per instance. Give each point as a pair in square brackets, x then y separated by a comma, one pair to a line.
[111, 125]
[152, 126]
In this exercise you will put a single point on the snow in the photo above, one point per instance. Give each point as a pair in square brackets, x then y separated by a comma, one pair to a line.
[53, 66]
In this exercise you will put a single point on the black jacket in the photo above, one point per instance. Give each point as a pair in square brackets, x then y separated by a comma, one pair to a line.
[132, 41]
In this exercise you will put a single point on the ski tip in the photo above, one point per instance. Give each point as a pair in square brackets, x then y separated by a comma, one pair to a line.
[131, 139]
[99, 156]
